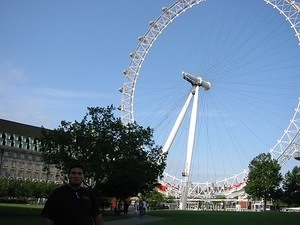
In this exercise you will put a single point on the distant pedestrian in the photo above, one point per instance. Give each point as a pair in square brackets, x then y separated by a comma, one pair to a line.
[126, 206]
[141, 208]
[144, 204]
[136, 207]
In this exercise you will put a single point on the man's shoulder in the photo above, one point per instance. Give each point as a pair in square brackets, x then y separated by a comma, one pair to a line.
[61, 188]
[86, 191]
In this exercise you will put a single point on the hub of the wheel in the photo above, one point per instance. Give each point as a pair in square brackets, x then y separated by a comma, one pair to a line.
[196, 81]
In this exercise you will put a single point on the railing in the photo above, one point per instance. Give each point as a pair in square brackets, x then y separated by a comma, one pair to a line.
[18, 141]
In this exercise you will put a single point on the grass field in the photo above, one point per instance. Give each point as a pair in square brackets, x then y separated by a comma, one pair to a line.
[30, 215]
[225, 218]
[15, 214]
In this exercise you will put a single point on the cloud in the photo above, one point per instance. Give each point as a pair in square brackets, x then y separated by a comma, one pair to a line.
[11, 77]
[23, 102]
[58, 93]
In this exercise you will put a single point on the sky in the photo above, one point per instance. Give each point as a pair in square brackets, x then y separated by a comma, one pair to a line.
[59, 57]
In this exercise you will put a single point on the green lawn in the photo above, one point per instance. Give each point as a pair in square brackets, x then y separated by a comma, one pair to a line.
[11, 214]
[225, 218]
[15, 214]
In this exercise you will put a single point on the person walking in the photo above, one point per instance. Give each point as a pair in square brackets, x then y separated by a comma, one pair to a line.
[72, 204]
[144, 203]
[141, 209]
[126, 206]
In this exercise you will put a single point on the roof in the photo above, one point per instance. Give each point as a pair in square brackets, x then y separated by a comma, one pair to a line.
[11, 127]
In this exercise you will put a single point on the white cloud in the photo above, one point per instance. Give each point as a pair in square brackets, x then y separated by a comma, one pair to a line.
[58, 93]
[23, 102]
[11, 77]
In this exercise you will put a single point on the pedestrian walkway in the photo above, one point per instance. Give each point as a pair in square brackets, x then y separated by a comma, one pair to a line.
[135, 219]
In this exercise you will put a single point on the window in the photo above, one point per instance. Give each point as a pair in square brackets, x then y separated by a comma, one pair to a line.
[21, 165]
[12, 173]
[21, 173]
[5, 163]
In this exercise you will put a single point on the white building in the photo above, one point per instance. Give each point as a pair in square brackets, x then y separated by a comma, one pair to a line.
[19, 153]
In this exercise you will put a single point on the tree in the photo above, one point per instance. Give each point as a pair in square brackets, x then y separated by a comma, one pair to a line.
[291, 187]
[14, 188]
[23, 190]
[3, 187]
[121, 160]
[264, 178]
[154, 199]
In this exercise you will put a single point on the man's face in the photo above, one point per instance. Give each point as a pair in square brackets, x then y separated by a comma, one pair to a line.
[76, 177]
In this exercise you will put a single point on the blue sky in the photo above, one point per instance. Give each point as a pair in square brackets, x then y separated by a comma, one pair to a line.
[59, 57]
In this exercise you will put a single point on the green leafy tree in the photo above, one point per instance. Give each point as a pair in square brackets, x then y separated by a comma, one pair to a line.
[3, 187]
[27, 188]
[15, 188]
[264, 178]
[154, 199]
[47, 189]
[291, 187]
[120, 160]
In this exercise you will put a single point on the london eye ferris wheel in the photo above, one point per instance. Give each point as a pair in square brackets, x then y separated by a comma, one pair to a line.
[249, 53]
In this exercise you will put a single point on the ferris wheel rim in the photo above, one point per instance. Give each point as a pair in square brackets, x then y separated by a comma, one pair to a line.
[289, 9]
[156, 28]
[138, 56]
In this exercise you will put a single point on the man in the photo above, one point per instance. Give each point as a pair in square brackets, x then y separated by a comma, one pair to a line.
[71, 204]
[144, 206]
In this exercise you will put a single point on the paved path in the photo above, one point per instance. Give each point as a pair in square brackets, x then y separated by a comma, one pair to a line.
[135, 219]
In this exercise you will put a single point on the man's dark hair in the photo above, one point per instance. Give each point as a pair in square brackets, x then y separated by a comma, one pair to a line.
[76, 165]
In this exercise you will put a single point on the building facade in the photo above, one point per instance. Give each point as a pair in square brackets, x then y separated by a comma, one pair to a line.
[20, 155]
